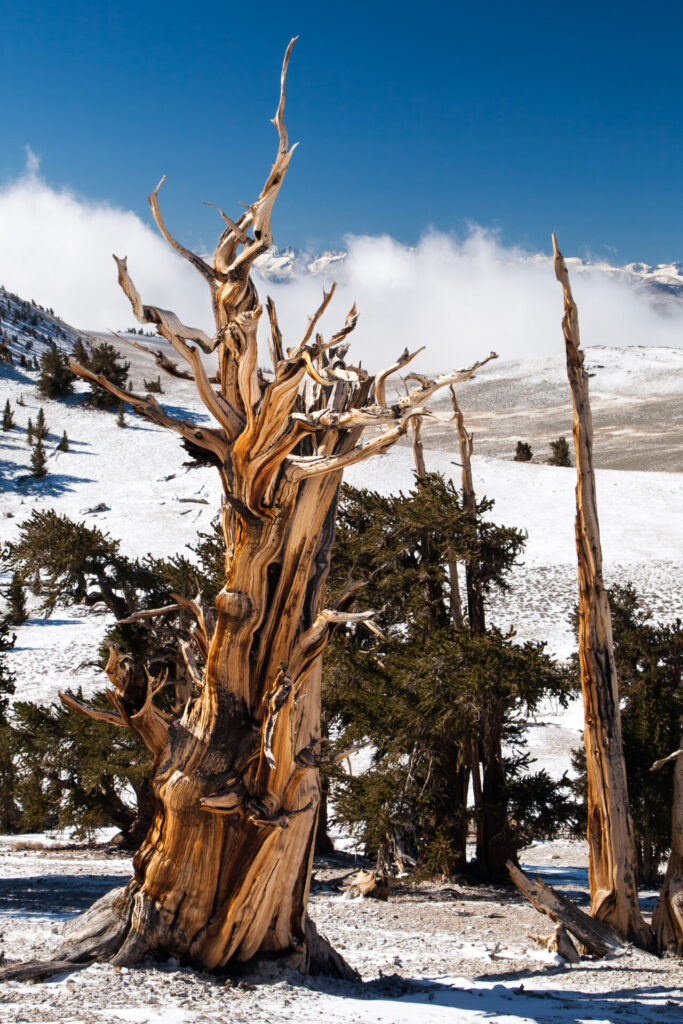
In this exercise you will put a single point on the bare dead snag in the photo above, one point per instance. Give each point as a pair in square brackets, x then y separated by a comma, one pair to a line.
[223, 874]
[598, 938]
[613, 863]
[667, 919]
[495, 840]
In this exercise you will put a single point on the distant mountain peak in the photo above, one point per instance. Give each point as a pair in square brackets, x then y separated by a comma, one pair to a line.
[661, 283]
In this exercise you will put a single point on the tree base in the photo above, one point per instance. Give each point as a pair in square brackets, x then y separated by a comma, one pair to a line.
[105, 933]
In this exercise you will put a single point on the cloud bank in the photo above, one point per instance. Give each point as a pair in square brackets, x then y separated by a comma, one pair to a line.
[463, 297]
[460, 297]
[56, 248]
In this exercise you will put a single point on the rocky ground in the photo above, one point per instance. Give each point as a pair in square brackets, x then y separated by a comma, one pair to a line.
[430, 949]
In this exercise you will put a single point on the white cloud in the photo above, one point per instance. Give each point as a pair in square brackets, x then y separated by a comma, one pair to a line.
[463, 297]
[459, 297]
[56, 248]
[32, 162]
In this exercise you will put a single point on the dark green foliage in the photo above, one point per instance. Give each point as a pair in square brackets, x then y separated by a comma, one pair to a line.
[9, 812]
[41, 429]
[63, 445]
[39, 460]
[523, 452]
[29, 432]
[120, 419]
[102, 358]
[154, 386]
[56, 379]
[71, 771]
[80, 352]
[559, 453]
[20, 400]
[7, 417]
[649, 658]
[430, 694]
[69, 562]
[74, 563]
[16, 599]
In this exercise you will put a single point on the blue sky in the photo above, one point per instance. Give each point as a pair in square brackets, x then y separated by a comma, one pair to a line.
[526, 117]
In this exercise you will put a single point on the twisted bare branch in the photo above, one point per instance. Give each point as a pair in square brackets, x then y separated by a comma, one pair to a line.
[207, 272]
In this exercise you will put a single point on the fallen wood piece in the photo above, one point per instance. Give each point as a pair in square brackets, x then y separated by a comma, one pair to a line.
[561, 942]
[368, 883]
[37, 970]
[596, 937]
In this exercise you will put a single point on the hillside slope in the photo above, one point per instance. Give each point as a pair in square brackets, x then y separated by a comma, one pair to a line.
[132, 482]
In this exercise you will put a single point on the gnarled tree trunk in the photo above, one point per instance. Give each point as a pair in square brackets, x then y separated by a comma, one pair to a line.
[613, 862]
[223, 874]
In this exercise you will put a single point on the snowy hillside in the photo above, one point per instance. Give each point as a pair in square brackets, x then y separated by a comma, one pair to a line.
[132, 482]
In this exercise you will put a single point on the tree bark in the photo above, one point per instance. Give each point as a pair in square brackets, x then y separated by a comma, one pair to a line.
[667, 919]
[223, 873]
[613, 862]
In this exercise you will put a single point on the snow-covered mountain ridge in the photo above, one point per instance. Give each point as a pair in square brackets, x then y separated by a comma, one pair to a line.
[662, 282]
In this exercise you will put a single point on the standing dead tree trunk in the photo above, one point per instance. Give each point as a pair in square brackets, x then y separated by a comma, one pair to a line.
[495, 844]
[223, 874]
[667, 919]
[613, 862]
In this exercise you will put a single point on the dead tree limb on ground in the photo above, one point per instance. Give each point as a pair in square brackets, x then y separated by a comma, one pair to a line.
[595, 936]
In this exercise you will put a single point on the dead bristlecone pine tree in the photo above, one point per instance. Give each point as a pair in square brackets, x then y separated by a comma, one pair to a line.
[223, 874]
[613, 870]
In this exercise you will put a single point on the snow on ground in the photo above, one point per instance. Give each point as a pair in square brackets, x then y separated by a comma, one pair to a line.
[437, 952]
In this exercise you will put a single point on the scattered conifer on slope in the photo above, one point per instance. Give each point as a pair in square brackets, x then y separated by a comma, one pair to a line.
[56, 379]
[39, 460]
[7, 417]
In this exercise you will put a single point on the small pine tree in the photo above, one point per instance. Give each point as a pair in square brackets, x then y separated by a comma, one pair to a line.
[559, 453]
[56, 379]
[63, 445]
[29, 431]
[104, 359]
[523, 452]
[38, 460]
[153, 386]
[7, 417]
[20, 400]
[120, 419]
[80, 353]
[16, 598]
[42, 429]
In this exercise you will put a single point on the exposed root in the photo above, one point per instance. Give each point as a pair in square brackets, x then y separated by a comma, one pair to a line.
[94, 935]
[112, 930]
[323, 959]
